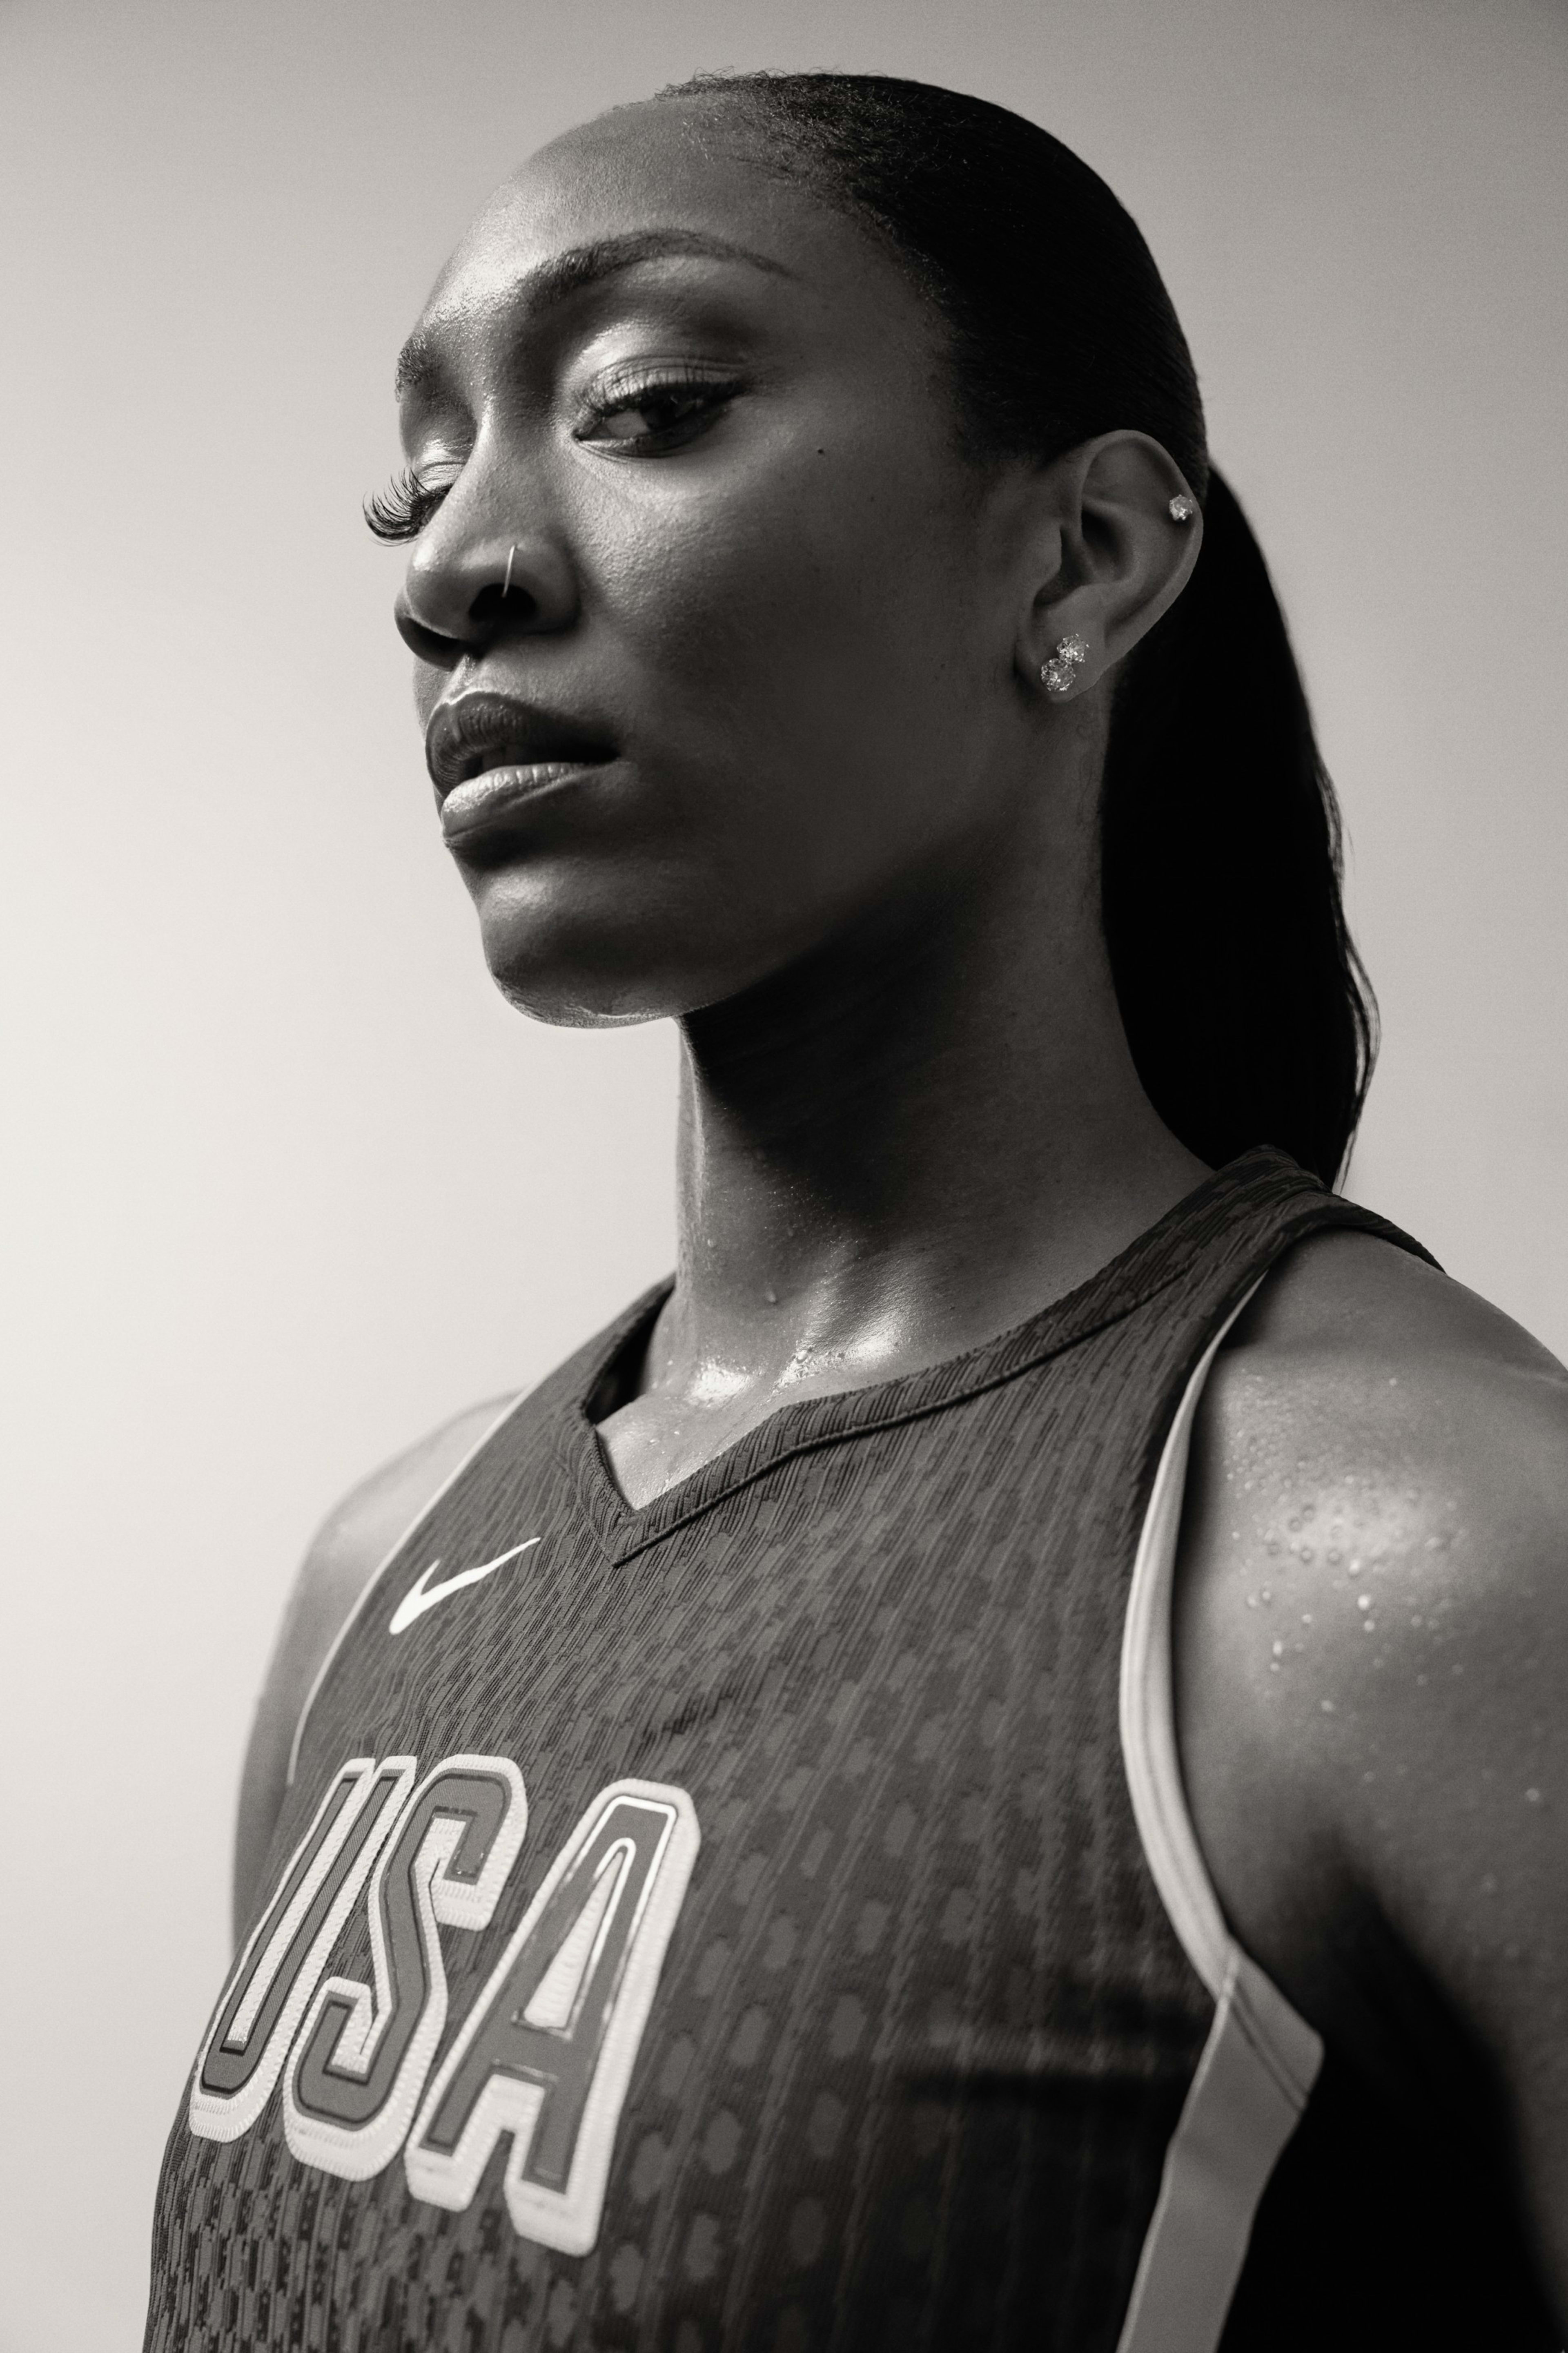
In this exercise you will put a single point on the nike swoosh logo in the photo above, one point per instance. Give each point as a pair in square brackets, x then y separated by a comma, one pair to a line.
[422, 1595]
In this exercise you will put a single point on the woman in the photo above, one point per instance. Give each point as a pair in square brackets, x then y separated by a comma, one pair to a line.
[980, 1770]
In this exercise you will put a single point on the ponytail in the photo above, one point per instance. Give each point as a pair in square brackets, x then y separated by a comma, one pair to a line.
[1246, 1006]
[1248, 1010]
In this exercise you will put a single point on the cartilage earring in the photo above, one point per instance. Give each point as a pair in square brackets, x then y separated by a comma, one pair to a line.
[1182, 508]
[511, 559]
[1062, 671]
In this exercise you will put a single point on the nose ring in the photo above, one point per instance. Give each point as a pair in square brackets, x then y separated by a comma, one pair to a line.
[506, 584]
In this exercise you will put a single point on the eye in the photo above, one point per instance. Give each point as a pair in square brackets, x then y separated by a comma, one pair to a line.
[643, 415]
[404, 508]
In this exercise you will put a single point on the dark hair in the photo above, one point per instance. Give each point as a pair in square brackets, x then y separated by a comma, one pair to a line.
[1248, 1013]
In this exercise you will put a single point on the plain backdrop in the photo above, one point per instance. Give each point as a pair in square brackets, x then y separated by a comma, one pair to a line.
[285, 1181]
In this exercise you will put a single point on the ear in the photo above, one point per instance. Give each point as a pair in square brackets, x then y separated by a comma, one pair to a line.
[1113, 555]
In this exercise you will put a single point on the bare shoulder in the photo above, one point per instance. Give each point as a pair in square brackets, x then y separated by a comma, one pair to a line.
[1372, 1640]
[343, 1556]
[1375, 1547]
[1344, 1290]
[1396, 1450]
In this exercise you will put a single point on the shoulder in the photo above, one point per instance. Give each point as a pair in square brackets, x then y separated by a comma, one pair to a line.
[1371, 1634]
[343, 1556]
[1377, 1512]
[354, 1539]
[360, 1531]
[1350, 1303]
[1394, 1451]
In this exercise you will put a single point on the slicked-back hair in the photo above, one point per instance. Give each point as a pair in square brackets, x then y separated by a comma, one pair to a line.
[1247, 1007]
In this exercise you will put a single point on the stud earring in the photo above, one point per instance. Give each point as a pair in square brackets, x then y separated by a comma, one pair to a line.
[1058, 674]
[506, 584]
[1181, 509]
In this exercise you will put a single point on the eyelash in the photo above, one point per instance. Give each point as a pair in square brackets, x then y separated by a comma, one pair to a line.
[706, 392]
[404, 508]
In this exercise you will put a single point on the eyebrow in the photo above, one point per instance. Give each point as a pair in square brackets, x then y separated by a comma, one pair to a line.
[567, 273]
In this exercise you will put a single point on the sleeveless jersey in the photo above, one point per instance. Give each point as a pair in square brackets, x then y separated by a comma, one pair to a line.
[767, 1921]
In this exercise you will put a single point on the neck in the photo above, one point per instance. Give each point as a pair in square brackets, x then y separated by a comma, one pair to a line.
[904, 1146]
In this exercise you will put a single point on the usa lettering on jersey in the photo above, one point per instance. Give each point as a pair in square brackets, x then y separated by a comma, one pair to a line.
[544, 2057]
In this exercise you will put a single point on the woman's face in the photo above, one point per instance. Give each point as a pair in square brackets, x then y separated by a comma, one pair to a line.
[751, 685]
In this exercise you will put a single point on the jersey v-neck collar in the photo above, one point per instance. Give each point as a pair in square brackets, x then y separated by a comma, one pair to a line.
[1154, 1258]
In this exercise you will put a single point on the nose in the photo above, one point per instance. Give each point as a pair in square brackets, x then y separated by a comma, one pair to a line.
[467, 587]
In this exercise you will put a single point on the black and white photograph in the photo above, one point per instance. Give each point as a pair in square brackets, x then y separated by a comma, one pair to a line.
[786, 1273]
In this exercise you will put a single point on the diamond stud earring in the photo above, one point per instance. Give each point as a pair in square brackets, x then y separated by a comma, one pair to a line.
[1062, 671]
[1181, 509]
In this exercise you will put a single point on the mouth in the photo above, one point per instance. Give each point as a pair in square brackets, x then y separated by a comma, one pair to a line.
[489, 755]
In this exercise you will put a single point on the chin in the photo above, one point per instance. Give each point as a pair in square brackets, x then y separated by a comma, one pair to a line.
[598, 959]
[576, 991]
[584, 976]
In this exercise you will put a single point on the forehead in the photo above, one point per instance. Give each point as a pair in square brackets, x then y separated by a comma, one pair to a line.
[672, 179]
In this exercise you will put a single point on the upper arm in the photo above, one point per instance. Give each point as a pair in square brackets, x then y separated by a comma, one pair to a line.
[344, 1555]
[1372, 1644]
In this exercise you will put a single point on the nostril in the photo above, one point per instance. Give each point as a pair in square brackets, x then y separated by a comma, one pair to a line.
[494, 600]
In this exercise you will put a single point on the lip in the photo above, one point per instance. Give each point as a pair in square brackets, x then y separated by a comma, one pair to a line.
[483, 803]
[488, 753]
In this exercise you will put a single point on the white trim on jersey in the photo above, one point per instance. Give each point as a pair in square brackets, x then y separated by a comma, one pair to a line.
[1261, 2059]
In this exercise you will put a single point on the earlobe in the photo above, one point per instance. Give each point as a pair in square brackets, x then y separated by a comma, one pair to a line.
[1059, 675]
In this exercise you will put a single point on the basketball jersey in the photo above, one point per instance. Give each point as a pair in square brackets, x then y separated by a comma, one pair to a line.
[767, 1921]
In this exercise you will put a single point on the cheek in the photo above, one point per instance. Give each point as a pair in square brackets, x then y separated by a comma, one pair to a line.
[794, 635]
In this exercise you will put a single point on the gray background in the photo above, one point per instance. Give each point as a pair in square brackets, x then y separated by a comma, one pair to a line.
[285, 1182]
